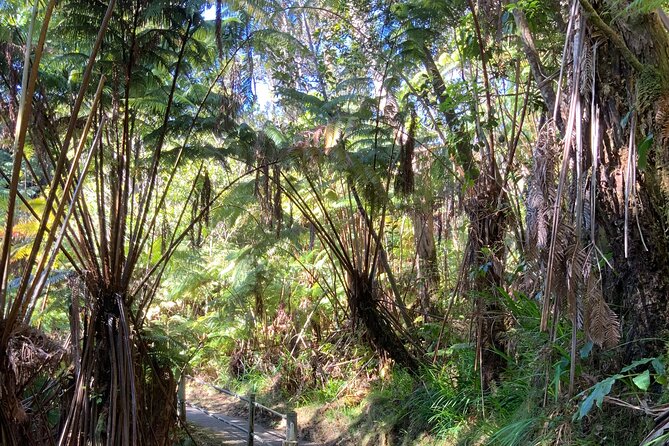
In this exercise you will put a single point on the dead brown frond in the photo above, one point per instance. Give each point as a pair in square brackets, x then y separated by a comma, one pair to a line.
[29, 352]
[404, 181]
[541, 190]
[560, 201]
[586, 66]
[601, 323]
[662, 131]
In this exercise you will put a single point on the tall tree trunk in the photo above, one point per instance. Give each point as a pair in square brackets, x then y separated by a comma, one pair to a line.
[426, 248]
[487, 220]
[639, 282]
[620, 78]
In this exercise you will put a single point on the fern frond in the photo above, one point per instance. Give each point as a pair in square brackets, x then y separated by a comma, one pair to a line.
[602, 325]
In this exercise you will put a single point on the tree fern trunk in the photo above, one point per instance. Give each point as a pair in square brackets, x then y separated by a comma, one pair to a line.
[639, 282]
[116, 402]
[365, 307]
[620, 75]
[487, 222]
[426, 253]
[12, 417]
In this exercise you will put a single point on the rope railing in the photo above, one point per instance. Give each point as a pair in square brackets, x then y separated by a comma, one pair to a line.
[272, 411]
[219, 389]
[288, 439]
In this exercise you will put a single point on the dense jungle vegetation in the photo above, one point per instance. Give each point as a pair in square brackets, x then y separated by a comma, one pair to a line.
[433, 221]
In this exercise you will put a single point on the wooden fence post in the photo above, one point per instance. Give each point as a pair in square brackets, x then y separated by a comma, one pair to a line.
[252, 415]
[181, 398]
[291, 429]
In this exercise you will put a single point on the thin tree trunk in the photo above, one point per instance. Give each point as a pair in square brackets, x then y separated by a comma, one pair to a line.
[426, 253]
[488, 223]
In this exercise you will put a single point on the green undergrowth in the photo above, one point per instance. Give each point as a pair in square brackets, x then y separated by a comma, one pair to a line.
[445, 408]
[367, 403]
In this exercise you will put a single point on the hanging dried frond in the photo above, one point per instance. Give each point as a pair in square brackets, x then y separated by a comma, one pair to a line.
[661, 414]
[331, 135]
[661, 132]
[586, 66]
[200, 205]
[404, 182]
[541, 189]
[391, 108]
[602, 325]
[262, 188]
[30, 351]
[277, 213]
